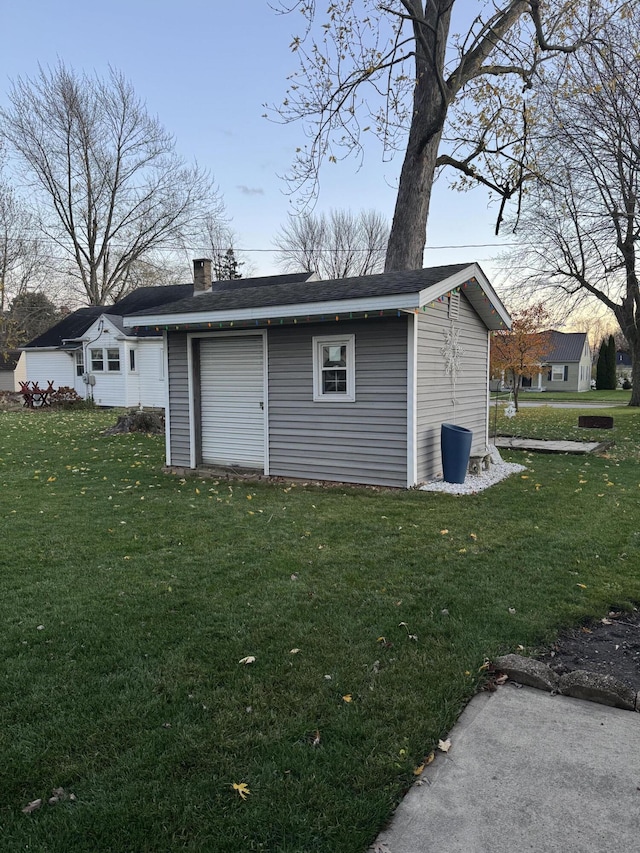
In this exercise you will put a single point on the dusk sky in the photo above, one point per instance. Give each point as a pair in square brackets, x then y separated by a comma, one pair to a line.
[206, 69]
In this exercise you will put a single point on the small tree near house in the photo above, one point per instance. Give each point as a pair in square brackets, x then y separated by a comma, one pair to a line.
[521, 352]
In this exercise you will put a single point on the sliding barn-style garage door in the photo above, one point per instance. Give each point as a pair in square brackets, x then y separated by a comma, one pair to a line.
[232, 401]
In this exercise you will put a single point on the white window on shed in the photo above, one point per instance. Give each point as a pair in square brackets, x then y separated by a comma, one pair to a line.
[79, 355]
[132, 360]
[334, 374]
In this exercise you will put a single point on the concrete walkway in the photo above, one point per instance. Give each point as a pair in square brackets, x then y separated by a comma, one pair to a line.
[542, 446]
[527, 771]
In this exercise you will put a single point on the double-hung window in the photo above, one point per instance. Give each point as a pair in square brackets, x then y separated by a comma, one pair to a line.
[334, 369]
[105, 359]
[97, 360]
[559, 372]
[113, 360]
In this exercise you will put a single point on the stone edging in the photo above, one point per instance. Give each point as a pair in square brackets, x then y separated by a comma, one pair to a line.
[580, 684]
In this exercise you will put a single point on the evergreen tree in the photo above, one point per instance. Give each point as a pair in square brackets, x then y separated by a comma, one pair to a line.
[225, 266]
[601, 366]
[612, 378]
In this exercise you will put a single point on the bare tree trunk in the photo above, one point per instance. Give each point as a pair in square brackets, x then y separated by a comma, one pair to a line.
[408, 235]
[635, 373]
[431, 99]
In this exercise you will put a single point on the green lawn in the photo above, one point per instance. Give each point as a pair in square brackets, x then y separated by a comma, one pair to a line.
[130, 597]
[619, 397]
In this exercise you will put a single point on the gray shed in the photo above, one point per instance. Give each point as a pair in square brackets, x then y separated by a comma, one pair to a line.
[346, 380]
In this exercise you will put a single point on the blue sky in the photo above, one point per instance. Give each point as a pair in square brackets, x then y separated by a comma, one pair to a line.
[206, 69]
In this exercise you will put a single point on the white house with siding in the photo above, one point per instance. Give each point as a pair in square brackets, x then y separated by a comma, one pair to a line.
[346, 380]
[92, 352]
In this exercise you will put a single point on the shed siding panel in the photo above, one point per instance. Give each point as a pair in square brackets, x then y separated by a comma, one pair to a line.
[360, 442]
[179, 432]
[435, 395]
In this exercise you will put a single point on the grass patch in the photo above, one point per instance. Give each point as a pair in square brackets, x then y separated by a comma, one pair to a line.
[619, 396]
[129, 598]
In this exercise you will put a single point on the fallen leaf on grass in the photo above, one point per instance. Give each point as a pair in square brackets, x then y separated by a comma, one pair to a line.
[248, 659]
[444, 532]
[294, 651]
[582, 585]
[444, 745]
[242, 789]
[316, 738]
[347, 697]
[32, 806]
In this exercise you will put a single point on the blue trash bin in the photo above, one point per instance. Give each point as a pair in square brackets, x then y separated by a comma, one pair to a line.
[455, 444]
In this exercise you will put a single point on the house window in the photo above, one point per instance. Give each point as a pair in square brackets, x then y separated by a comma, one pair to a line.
[100, 356]
[132, 360]
[559, 372]
[113, 360]
[79, 362]
[97, 360]
[334, 369]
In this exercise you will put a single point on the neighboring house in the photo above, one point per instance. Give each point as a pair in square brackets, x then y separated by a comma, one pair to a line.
[11, 370]
[567, 367]
[92, 352]
[346, 380]
[623, 364]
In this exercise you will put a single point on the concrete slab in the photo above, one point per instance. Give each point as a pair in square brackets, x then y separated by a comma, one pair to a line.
[527, 771]
[542, 446]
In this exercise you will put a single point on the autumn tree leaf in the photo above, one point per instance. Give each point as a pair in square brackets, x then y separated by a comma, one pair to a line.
[247, 660]
[444, 745]
[242, 789]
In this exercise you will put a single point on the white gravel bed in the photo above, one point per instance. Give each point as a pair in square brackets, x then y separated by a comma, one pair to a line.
[477, 482]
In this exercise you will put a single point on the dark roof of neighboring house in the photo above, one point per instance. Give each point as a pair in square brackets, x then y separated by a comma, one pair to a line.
[9, 359]
[74, 325]
[262, 281]
[70, 327]
[252, 295]
[566, 347]
[623, 358]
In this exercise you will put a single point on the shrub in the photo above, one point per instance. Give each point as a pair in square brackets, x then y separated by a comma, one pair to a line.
[626, 385]
[68, 398]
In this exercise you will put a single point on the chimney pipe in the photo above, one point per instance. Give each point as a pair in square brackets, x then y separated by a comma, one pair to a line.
[201, 275]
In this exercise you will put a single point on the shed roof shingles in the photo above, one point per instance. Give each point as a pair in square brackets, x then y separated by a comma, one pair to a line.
[301, 292]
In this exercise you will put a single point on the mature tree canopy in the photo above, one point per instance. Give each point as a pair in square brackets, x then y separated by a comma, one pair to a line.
[32, 313]
[20, 251]
[580, 224]
[391, 68]
[108, 180]
[521, 351]
[339, 245]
